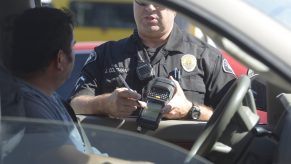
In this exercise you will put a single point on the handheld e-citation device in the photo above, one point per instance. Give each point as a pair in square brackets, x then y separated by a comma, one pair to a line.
[160, 91]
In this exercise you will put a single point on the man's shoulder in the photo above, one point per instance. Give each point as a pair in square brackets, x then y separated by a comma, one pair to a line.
[192, 45]
[38, 106]
[114, 49]
[194, 41]
[27, 90]
[33, 98]
[114, 44]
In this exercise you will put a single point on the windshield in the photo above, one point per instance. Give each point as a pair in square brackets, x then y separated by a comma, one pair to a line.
[278, 10]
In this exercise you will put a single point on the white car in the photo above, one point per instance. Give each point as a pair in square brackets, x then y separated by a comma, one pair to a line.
[255, 32]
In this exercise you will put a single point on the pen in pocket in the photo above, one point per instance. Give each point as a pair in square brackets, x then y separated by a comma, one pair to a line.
[177, 74]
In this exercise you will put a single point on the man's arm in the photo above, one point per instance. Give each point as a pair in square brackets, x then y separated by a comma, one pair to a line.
[120, 103]
[86, 104]
[86, 98]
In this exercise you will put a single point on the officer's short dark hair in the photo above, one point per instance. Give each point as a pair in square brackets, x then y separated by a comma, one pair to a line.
[39, 34]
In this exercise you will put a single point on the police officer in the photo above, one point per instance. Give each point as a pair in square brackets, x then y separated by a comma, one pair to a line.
[160, 48]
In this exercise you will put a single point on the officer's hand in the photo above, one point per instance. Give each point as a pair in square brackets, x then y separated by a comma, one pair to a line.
[122, 102]
[179, 106]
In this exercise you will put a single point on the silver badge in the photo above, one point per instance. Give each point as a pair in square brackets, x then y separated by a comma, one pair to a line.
[188, 62]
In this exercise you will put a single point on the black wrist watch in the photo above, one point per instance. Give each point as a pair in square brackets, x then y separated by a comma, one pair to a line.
[194, 112]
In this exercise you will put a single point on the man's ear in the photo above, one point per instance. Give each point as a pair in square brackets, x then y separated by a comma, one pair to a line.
[60, 60]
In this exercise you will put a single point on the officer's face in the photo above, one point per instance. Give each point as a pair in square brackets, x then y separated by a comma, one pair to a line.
[153, 20]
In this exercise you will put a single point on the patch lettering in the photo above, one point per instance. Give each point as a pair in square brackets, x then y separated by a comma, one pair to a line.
[113, 70]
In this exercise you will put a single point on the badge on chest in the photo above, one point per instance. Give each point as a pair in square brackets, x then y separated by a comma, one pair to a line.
[188, 62]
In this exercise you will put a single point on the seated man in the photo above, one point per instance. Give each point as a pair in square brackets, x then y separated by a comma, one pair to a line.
[42, 59]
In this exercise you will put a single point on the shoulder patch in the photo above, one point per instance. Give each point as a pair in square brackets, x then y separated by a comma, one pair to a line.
[79, 82]
[92, 57]
[226, 67]
[188, 62]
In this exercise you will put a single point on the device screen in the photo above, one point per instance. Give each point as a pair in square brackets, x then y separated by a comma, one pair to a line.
[152, 111]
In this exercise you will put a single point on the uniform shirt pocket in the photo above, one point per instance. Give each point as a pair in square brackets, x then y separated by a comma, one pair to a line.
[193, 87]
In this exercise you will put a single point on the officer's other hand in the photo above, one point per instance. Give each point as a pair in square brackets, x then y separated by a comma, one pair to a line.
[122, 102]
[178, 106]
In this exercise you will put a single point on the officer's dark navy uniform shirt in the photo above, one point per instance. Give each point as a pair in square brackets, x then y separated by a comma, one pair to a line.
[205, 84]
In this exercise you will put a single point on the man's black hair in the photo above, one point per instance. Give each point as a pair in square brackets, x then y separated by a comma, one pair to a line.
[39, 34]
